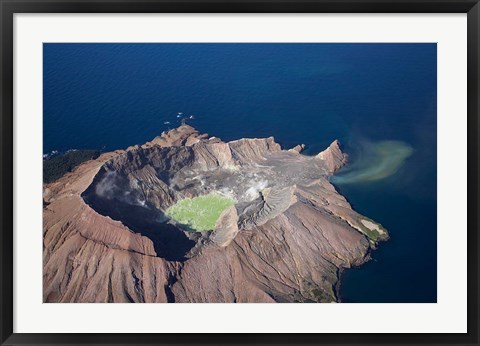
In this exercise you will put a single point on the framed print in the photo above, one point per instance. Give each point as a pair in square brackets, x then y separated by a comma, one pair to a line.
[239, 173]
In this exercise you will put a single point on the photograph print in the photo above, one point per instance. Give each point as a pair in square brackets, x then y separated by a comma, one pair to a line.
[239, 173]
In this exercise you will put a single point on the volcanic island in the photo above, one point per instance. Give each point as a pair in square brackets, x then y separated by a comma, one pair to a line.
[189, 218]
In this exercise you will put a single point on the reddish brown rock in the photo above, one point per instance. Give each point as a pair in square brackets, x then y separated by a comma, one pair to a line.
[333, 157]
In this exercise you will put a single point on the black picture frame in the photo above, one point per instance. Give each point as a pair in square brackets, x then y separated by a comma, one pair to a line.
[10, 7]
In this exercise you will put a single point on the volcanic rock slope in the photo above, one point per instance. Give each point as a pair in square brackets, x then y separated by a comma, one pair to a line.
[286, 239]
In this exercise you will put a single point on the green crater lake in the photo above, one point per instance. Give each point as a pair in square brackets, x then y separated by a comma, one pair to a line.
[199, 213]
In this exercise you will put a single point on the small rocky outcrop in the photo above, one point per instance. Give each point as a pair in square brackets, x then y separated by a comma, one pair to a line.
[333, 157]
[226, 227]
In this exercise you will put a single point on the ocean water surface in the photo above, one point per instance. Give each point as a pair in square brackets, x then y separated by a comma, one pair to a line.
[379, 100]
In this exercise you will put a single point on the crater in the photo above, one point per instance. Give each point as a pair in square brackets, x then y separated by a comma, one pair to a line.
[133, 188]
[175, 194]
[169, 241]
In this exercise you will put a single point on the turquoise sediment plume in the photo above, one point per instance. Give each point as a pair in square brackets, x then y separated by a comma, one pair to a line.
[375, 161]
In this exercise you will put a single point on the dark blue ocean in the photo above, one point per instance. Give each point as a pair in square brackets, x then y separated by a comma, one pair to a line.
[110, 96]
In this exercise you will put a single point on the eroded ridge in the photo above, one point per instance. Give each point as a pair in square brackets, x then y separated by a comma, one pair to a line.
[284, 238]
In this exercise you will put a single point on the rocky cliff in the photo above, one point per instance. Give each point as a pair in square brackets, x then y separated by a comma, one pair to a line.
[289, 234]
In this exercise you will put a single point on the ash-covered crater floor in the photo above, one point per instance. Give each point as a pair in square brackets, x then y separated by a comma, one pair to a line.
[286, 237]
